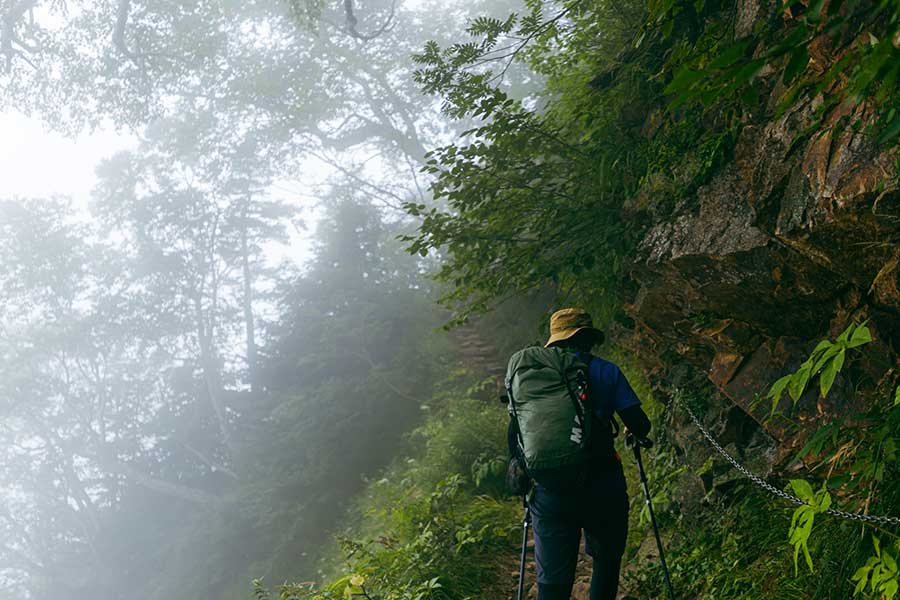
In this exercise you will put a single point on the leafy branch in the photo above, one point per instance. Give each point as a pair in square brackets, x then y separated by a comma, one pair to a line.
[826, 359]
[880, 574]
[804, 517]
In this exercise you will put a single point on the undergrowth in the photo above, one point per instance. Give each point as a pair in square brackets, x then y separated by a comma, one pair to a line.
[743, 543]
[437, 524]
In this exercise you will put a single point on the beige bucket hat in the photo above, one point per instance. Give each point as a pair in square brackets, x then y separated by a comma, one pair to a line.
[567, 322]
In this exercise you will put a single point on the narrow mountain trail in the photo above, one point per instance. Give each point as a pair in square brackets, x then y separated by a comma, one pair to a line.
[478, 353]
[582, 588]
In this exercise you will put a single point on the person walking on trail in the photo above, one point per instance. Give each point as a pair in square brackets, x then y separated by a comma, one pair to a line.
[595, 500]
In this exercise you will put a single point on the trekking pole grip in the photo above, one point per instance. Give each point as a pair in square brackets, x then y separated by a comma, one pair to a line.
[632, 440]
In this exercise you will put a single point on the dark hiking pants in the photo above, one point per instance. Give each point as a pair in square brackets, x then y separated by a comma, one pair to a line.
[600, 509]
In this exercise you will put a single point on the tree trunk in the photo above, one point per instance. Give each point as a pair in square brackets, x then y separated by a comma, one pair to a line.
[248, 304]
[212, 377]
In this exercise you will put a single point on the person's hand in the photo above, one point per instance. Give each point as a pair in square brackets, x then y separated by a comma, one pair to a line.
[631, 440]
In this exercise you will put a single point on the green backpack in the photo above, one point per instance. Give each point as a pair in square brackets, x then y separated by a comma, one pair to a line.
[549, 401]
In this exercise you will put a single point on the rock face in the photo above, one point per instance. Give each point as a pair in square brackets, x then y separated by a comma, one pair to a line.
[784, 246]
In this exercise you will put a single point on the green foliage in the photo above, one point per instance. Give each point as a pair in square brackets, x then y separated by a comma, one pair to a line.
[463, 437]
[879, 574]
[804, 517]
[826, 359]
[426, 529]
[486, 467]
[729, 548]
[529, 198]
[666, 475]
[552, 191]
[723, 69]
[859, 456]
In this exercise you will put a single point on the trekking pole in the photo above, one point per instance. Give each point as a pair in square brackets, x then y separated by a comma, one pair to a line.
[526, 522]
[636, 443]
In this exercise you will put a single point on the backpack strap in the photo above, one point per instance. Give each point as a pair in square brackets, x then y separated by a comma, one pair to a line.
[576, 397]
[512, 404]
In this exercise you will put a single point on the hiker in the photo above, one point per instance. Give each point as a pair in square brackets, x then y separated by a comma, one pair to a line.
[597, 502]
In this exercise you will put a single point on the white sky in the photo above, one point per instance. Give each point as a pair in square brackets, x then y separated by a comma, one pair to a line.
[39, 163]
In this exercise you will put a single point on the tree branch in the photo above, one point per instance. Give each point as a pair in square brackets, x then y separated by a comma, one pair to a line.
[352, 22]
[8, 29]
[381, 191]
[373, 370]
[118, 36]
[210, 463]
[164, 487]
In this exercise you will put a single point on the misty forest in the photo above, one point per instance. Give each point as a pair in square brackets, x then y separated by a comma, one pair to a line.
[259, 356]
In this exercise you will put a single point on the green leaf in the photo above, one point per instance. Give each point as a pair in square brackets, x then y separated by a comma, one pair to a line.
[830, 352]
[801, 528]
[889, 561]
[791, 41]
[746, 73]
[808, 558]
[799, 380]
[729, 56]
[777, 388]
[890, 132]
[796, 65]
[684, 80]
[861, 577]
[814, 10]
[831, 370]
[803, 490]
[845, 335]
[820, 348]
[861, 336]
[776, 391]
[897, 396]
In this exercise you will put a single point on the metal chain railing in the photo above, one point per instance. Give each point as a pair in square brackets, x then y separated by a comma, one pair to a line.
[760, 482]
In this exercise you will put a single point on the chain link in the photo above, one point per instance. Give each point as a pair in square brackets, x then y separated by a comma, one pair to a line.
[760, 482]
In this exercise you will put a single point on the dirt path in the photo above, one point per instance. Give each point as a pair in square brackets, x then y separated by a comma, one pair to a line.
[581, 590]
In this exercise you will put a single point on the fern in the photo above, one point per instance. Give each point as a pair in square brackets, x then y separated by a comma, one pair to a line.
[259, 591]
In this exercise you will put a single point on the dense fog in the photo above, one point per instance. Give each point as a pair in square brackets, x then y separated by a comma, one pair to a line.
[187, 399]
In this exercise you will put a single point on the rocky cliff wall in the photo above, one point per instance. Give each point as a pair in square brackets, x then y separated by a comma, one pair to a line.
[788, 243]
